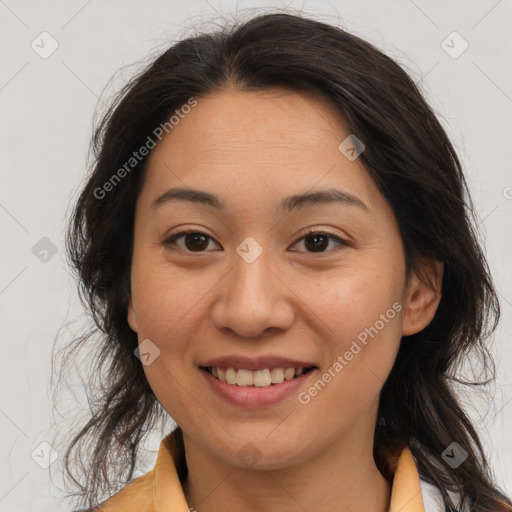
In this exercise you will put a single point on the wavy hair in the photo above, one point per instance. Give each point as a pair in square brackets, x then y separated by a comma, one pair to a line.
[413, 163]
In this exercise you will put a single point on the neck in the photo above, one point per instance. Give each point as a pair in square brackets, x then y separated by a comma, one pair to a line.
[342, 477]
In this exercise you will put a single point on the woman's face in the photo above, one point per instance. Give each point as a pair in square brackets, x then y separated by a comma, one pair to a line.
[254, 284]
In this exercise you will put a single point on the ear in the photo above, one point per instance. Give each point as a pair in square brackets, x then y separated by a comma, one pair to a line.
[132, 319]
[423, 295]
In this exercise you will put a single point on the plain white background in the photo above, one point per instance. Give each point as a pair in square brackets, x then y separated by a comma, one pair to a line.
[46, 115]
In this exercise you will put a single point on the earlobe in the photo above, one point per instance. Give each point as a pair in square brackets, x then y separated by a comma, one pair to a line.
[132, 319]
[423, 296]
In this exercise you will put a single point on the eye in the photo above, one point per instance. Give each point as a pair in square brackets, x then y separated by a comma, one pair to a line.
[196, 241]
[317, 241]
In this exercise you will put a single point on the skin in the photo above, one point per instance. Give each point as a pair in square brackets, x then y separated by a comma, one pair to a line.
[252, 149]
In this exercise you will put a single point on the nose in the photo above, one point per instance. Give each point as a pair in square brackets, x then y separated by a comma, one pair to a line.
[253, 298]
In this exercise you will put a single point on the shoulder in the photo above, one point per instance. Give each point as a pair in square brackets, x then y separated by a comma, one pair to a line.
[433, 499]
[136, 496]
[432, 496]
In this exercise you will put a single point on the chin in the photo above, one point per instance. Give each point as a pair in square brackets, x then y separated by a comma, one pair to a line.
[261, 452]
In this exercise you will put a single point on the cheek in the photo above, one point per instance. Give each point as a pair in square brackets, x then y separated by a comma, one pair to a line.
[360, 360]
[169, 304]
[364, 316]
[166, 311]
[350, 301]
[166, 298]
[161, 324]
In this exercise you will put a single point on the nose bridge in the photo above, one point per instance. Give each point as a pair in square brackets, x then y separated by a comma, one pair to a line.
[251, 278]
[252, 299]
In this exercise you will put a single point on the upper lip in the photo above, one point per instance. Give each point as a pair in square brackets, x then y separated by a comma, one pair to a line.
[255, 363]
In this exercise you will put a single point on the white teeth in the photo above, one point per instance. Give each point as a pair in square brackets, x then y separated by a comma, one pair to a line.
[277, 375]
[261, 378]
[231, 376]
[289, 373]
[244, 378]
[258, 378]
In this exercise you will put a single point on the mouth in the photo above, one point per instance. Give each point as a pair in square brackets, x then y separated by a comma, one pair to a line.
[266, 377]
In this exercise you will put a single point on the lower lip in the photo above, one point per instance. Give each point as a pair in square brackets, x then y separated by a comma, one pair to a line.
[252, 397]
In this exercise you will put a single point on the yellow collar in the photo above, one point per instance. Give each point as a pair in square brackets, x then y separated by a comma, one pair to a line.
[160, 490]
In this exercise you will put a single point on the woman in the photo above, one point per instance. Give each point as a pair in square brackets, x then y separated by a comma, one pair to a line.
[277, 244]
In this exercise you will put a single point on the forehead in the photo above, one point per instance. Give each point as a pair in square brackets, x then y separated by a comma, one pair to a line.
[253, 146]
[265, 123]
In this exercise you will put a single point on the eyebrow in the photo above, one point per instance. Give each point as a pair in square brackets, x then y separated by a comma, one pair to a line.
[289, 203]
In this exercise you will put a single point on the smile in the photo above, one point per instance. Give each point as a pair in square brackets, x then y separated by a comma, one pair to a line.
[260, 378]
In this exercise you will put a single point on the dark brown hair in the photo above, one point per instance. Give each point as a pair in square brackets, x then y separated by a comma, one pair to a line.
[409, 156]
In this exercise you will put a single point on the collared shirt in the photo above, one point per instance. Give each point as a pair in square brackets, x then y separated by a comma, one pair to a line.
[160, 490]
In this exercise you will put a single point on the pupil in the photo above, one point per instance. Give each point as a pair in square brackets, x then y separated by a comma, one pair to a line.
[317, 242]
[196, 236]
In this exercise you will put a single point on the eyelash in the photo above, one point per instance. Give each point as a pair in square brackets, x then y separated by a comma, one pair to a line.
[342, 243]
